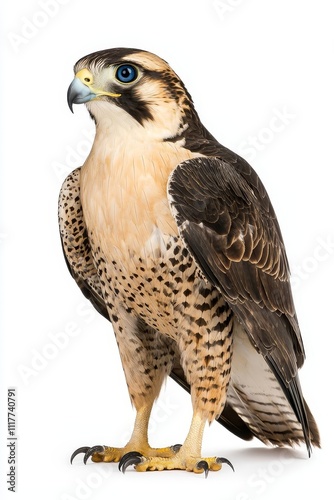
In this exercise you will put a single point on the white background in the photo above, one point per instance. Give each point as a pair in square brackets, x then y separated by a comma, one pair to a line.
[245, 63]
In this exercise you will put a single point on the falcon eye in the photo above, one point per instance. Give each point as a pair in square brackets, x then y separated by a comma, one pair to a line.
[126, 73]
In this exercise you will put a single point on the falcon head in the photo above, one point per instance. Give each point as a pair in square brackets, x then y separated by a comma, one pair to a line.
[132, 88]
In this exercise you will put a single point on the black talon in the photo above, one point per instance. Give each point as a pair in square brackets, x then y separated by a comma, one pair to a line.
[203, 465]
[91, 451]
[131, 458]
[221, 460]
[83, 449]
[176, 447]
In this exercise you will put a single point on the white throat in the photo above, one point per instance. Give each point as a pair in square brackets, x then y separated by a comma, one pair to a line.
[166, 121]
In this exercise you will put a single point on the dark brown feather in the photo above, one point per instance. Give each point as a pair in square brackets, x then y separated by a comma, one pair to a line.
[239, 247]
[231, 230]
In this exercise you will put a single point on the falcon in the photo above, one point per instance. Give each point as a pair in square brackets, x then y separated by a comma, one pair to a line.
[173, 238]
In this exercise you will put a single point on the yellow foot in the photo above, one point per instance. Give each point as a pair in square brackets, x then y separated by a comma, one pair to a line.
[178, 461]
[109, 454]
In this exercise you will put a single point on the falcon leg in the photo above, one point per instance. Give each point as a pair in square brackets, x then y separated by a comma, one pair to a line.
[206, 360]
[147, 360]
[137, 442]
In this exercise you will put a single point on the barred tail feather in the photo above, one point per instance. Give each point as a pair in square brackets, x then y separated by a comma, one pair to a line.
[275, 414]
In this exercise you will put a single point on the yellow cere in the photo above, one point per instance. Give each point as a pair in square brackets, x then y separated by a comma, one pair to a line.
[87, 79]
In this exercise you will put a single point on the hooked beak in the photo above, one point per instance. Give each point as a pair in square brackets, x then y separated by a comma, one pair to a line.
[81, 89]
[78, 93]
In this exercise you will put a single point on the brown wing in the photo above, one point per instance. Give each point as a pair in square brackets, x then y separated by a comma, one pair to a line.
[229, 226]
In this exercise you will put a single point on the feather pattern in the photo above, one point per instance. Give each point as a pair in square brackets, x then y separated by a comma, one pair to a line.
[236, 241]
[173, 238]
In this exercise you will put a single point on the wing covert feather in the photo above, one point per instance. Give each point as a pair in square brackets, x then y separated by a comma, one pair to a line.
[232, 231]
